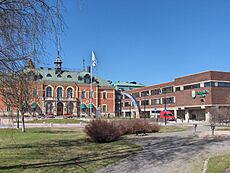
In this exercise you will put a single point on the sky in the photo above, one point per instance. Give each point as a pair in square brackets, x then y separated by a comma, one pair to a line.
[147, 41]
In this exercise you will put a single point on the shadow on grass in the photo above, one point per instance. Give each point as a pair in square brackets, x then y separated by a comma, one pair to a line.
[84, 158]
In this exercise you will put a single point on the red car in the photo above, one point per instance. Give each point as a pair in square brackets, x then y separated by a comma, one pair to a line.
[168, 114]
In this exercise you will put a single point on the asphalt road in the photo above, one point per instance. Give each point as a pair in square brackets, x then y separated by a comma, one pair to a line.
[176, 152]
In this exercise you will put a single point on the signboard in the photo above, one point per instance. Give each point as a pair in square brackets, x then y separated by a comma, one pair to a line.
[202, 93]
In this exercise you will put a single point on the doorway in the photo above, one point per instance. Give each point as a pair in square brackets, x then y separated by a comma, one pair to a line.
[59, 108]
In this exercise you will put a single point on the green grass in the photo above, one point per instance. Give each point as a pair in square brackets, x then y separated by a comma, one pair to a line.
[218, 164]
[61, 121]
[166, 129]
[57, 150]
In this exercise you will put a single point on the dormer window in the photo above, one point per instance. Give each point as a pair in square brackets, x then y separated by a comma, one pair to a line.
[48, 75]
[69, 76]
[87, 79]
[79, 78]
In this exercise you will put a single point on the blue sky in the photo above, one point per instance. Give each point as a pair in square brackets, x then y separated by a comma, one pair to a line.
[148, 41]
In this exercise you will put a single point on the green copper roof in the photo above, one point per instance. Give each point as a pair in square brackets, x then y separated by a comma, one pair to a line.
[69, 76]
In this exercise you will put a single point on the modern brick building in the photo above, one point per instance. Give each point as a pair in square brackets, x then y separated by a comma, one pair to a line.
[188, 97]
[64, 92]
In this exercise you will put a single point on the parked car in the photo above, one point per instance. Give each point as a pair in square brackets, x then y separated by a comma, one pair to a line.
[50, 115]
[41, 116]
[168, 115]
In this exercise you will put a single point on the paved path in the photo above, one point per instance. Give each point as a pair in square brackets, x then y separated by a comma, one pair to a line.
[178, 152]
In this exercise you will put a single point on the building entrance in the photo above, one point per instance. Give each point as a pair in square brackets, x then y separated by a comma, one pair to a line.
[59, 108]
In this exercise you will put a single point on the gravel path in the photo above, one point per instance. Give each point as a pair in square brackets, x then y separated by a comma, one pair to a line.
[178, 152]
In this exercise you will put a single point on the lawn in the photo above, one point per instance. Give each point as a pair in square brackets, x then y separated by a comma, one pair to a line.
[61, 121]
[165, 129]
[218, 164]
[57, 150]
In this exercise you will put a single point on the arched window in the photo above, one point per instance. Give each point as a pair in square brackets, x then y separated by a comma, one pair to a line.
[49, 107]
[69, 76]
[69, 92]
[70, 108]
[48, 92]
[48, 75]
[59, 92]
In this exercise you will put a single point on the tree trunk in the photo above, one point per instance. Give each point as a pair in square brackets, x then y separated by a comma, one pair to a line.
[17, 119]
[23, 123]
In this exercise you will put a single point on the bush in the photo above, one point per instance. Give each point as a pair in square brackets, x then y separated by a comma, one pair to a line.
[136, 126]
[102, 131]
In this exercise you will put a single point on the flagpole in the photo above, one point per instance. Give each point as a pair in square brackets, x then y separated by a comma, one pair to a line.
[91, 89]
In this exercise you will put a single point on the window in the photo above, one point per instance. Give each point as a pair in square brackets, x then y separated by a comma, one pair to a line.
[192, 86]
[104, 95]
[155, 101]
[8, 108]
[59, 92]
[59, 76]
[48, 75]
[209, 84]
[177, 88]
[167, 90]
[223, 84]
[145, 102]
[48, 92]
[168, 100]
[69, 76]
[144, 93]
[155, 91]
[49, 107]
[35, 92]
[136, 94]
[69, 108]
[104, 108]
[69, 92]
[87, 79]
[127, 104]
[79, 78]
[83, 94]
[91, 94]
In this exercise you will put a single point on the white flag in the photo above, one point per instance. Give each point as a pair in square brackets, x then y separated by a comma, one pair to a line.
[94, 61]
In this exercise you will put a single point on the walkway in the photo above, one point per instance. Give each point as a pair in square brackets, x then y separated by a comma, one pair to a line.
[178, 152]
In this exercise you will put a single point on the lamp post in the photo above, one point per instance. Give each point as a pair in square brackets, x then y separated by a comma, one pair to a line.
[165, 111]
[145, 103]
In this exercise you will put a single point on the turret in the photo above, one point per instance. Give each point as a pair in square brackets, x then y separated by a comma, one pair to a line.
[58, 63]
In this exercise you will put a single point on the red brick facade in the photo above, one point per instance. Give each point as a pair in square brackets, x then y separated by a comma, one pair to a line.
[191, 95]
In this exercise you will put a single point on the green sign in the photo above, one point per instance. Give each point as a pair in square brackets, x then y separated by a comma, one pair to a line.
[202, 93]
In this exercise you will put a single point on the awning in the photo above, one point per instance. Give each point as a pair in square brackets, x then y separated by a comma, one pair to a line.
[83, 106]
[90, 106]
[34, 105]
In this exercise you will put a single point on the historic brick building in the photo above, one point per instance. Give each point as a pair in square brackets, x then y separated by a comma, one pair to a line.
[188, 97]
[63, 92]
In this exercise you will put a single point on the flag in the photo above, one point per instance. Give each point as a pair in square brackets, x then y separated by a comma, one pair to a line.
[94, 61]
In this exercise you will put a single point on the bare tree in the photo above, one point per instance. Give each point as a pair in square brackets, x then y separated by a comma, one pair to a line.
[17, 90]
[24, 27]
[220, 115]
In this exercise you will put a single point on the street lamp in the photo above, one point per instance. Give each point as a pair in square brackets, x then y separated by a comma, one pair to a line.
[145, 103]
[165, 111]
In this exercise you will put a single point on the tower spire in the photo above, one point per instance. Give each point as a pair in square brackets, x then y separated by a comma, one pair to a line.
[83, 63]
[58, 63]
